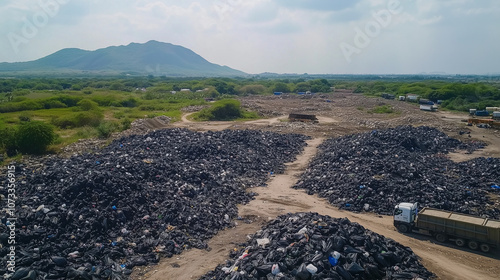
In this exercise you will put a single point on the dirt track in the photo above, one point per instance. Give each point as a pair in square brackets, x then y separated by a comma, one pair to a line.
[445, 260]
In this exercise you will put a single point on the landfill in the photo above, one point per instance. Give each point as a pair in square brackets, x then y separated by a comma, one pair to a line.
[376, 170]
[309, 246]
[96, 216]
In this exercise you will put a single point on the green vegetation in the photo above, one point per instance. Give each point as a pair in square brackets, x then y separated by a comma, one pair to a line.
[104, 129]
[383, 109]
[224, 110]
[455, 96]
[34, 137]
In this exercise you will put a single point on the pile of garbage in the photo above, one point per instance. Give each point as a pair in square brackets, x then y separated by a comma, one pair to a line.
[96, 216]
[374, 171]
[306, 246]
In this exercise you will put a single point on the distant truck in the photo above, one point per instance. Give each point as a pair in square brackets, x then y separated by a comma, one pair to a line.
[473, 231]
[496, 115]
[388, 96]
[425, 102]
[430, 108]
[482, 113]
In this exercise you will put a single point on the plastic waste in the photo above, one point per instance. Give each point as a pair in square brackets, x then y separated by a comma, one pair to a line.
[275, 269]
[311, 268]
[117, 206]
[292, 259]
[382, 160]
[263, 242]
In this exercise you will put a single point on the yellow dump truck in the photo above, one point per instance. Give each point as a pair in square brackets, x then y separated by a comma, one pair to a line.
[475, 232]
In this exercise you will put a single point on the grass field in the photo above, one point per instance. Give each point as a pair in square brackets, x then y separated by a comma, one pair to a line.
[115, 109]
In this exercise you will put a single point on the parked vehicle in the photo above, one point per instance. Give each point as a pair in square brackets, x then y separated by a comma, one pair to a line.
[473, 231]
[482, 113]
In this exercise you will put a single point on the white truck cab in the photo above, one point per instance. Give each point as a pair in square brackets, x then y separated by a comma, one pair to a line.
[404, 216]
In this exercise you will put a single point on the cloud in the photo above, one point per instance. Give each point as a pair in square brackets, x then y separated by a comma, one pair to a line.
[273, 35]
[317, 5]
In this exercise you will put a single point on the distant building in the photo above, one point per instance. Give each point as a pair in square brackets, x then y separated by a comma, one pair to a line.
[412, 97]
[202, 90]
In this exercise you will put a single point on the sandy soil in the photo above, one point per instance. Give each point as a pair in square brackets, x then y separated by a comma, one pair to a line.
[346, 114]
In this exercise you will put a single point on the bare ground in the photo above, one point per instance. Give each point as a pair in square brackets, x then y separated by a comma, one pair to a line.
[346, 114]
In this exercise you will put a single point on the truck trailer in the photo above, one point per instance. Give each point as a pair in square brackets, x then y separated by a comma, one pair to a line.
[475, 232]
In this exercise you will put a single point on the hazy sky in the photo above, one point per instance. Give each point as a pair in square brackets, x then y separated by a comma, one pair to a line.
[283, 36]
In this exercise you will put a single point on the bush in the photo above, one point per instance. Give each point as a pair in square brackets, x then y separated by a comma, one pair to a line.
[384, 109]
[90, 118]
[130, 102]
[8, 141]
[116, 104]
[25, 116]
[224, 110]
[227, 110]
[87, 105]
[104, 100]
[34, 137]
[29, 105]
[69, 100]
[64, 122]
[105, 129]
[86, 132]
[50, 104]
[252, 89]
[126, 124]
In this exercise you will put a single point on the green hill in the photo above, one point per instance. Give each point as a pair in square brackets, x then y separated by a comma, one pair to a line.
[151, 58]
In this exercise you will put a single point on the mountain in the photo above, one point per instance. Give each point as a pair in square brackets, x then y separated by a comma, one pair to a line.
[151, 58]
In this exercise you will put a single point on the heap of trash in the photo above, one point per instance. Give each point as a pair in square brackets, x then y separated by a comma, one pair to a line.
[376, 170]
[309, 246]
[96, 216]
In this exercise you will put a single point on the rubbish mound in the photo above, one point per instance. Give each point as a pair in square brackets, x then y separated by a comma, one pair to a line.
[311, 246]
[96, 216]
[374, 171]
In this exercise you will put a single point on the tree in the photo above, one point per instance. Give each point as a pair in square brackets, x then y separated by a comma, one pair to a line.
[225, 88]
[87, 105]
[116, 86]
[252, 89]
[281, 87]
[34, 137]
[303, 87]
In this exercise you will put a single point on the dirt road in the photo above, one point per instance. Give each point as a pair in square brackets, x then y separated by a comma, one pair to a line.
[446, 261]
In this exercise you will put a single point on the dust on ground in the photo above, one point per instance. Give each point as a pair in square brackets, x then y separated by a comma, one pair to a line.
[338, 115]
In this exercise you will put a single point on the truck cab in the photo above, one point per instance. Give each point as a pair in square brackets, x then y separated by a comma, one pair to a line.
[405, 215]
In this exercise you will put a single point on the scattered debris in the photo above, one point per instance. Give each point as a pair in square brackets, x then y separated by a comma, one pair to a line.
[312, 246]
[144, 196]
[374, 171]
